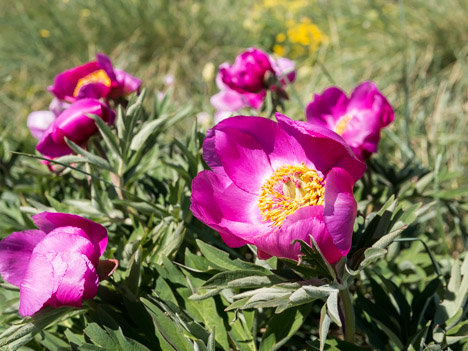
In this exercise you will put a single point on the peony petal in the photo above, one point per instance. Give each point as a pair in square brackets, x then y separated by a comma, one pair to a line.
[324, 148]
[51, 149]
[367, 96]
[326, 109]
[71, 240]
[298, 226]
[126, 84]
[284, 68]
[243, 158]
[106, 64]
[65, 82]
[221, 205]
[74, 124]
[228, 100]
[93, 91]
[276, 144]
[48, 221]
[15, 253]
[37, 285]
[340, 208]
[39, 121]
[75, 279]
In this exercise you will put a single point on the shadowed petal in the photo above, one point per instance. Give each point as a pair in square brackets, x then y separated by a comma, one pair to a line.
[15, 253]
[76, 279]
[323, 147]
[298, 226]
[326, 109]
[340, 208]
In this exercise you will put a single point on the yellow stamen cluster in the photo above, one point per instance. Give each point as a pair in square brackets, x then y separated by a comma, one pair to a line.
[288, 189]
[99, 76]
[342, 124]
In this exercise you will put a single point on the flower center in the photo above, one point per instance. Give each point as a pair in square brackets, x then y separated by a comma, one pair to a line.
[342, 124]
[99, 76]
[288, 189]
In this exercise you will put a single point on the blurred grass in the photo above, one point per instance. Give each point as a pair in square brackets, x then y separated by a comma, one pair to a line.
[415, 50]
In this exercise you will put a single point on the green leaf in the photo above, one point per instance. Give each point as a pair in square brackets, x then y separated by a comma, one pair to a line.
[324, 326]
[108, 135]
[167, 328]
[89, 157]
[112, 339]
[221, 259]
[238, 279]
[20, 334]
[281, 327]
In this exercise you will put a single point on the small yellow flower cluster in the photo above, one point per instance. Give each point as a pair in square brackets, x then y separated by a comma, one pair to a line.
[301, 38]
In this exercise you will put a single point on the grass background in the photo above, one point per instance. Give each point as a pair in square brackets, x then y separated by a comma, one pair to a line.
[415, 50]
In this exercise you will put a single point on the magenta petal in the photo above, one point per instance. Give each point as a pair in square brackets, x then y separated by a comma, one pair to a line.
[243, 158]
[323, 147]
[70, 240]
[106, 64]
[126, 84]
[15, 253]
[226, 208]
[367, 96]
[326, 109]
[280, 148]
[340, 208]
[75, 279]
[39, 121]
[51, 149]
[298, 226]
[74, 124]
[48, 221]
[93, 91]
[37, 285]
[65, 82]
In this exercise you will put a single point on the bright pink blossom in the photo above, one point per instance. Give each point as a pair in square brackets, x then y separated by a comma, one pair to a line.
[357, 119]
[247, 74]
[272, 183]
[55, 265]
[95, 79]
[75, 125]
[244, 84]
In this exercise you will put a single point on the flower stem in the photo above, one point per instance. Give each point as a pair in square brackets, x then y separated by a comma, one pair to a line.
[348, 313]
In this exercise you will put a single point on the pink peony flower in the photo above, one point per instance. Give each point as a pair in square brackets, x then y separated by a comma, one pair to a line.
[247, 74]
[55, 265]
[73, 124]
[95, 79]
[237, 93]
[357, 119]
[272, 183]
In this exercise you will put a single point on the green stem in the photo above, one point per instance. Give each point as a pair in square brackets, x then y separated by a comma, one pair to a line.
[348, 314]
